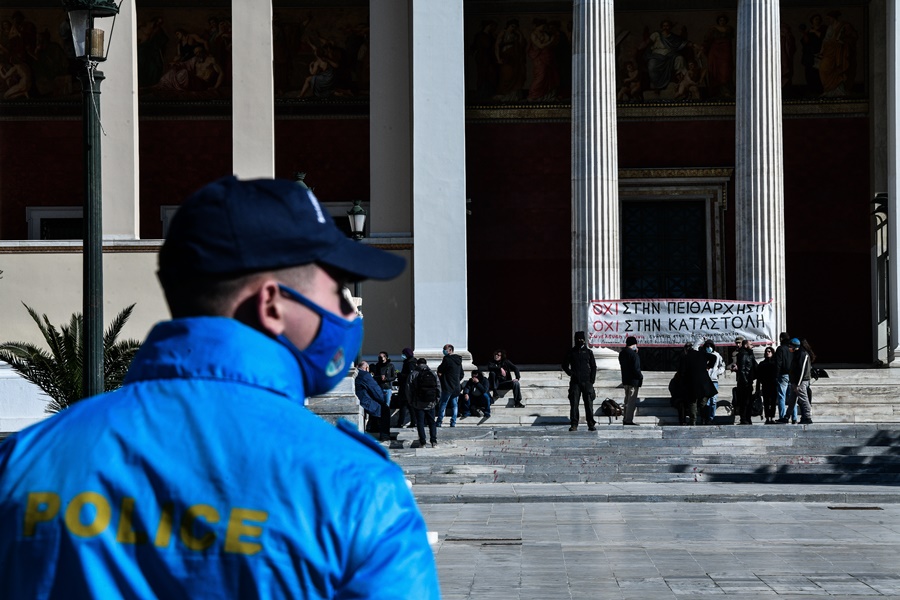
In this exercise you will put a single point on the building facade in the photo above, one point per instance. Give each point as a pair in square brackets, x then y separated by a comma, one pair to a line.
[526, 157]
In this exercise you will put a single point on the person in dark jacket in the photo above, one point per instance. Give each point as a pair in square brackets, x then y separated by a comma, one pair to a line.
[409, 363]
[385, 374]
[372, 399]
[745, 373]
[800, 375]
[476, 395]
[767, 384]
[783, 359]
[450, 372]
[501, 371]
[698, 387]
[677, 389]
[632, 378]
[581, 367]
[424, 406]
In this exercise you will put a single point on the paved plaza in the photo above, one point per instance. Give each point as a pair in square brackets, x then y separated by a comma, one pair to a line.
[513, 546]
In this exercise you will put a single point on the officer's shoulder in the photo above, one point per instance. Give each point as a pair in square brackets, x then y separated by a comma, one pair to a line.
[348, 429]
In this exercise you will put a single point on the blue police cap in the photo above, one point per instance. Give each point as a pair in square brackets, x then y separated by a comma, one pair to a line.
[233, 227]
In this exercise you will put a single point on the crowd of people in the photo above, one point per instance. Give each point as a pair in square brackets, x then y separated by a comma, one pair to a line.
[422, 397]
[776, 388]
[780, 382]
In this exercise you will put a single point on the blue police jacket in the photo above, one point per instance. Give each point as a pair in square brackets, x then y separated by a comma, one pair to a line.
[205, 477]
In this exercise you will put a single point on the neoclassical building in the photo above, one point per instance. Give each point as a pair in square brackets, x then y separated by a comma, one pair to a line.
[525, 157]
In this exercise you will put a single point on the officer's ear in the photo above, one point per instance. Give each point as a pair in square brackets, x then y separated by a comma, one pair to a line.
[270, 307]
[262, 307]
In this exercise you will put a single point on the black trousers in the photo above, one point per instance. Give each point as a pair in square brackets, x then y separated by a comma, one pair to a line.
[426, 417]
[578, 392]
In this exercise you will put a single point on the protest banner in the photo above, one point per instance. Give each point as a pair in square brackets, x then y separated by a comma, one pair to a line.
[675, 321]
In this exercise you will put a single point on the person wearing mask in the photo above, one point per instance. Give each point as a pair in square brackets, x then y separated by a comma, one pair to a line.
[370, 397]
[385, 374]
[632, 378]
[715, 369]
[409, 363]
[425, 391]
[767, 384]
[450, 372]
[783, 360]
[475, 395]
[800, 375]
[745, 373]
[697, 385]
[581, 367]
[204, 474]
[501, 378]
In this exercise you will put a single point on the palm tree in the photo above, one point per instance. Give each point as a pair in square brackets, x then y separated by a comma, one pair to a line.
[59, 372]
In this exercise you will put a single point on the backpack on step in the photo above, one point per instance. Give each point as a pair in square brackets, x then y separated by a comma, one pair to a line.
[427, 390]
[611, 408]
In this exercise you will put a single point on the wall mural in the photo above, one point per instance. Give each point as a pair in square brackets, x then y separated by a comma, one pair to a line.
[322, 55]
[675, 56]
[184, 54]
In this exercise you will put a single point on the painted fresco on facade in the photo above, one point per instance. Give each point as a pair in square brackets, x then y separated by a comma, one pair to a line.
[35, 62]
[690, 56]
[184, 54]
[319, 54]
[518, 58]
[675, 56]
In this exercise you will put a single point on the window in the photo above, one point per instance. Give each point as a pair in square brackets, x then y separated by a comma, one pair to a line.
[54, 222]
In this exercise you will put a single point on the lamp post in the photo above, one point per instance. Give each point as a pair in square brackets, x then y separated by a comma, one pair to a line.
[357, 216]
[89, 49]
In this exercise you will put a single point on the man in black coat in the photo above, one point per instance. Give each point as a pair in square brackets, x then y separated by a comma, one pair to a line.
[745, 371]
[698, 387]
[450, 372]
[632, 378]
[581, 367]
[783, 361]
[501, 371]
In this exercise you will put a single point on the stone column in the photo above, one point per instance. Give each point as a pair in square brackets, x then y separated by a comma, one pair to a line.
[418, 175]
[253, 89]
[119, 136]
[759, 172]
[893, 186]
[438, 177]
[595, 178]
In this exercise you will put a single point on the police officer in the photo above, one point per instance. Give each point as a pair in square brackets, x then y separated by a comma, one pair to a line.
[204, 475]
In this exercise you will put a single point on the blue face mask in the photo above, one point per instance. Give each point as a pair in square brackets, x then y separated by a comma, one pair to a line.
[325, 362]
[708, 350]
[446, 352]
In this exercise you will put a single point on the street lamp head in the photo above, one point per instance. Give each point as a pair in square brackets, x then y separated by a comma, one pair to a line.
[87, 39]
[300, 179]
[357, 216]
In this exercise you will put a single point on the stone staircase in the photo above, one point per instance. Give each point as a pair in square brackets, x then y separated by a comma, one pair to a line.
[810, 454]
[846, 396]
[855, 439]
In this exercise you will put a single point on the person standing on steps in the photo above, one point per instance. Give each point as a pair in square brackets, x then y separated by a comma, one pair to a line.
[801, 373]
[632, 378]
[783, 360]
[745, 372]
[409, 363]
[581, 367]
[450, 372]
[424, 393]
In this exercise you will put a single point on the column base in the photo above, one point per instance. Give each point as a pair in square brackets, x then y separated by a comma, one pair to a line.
[607, 359]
